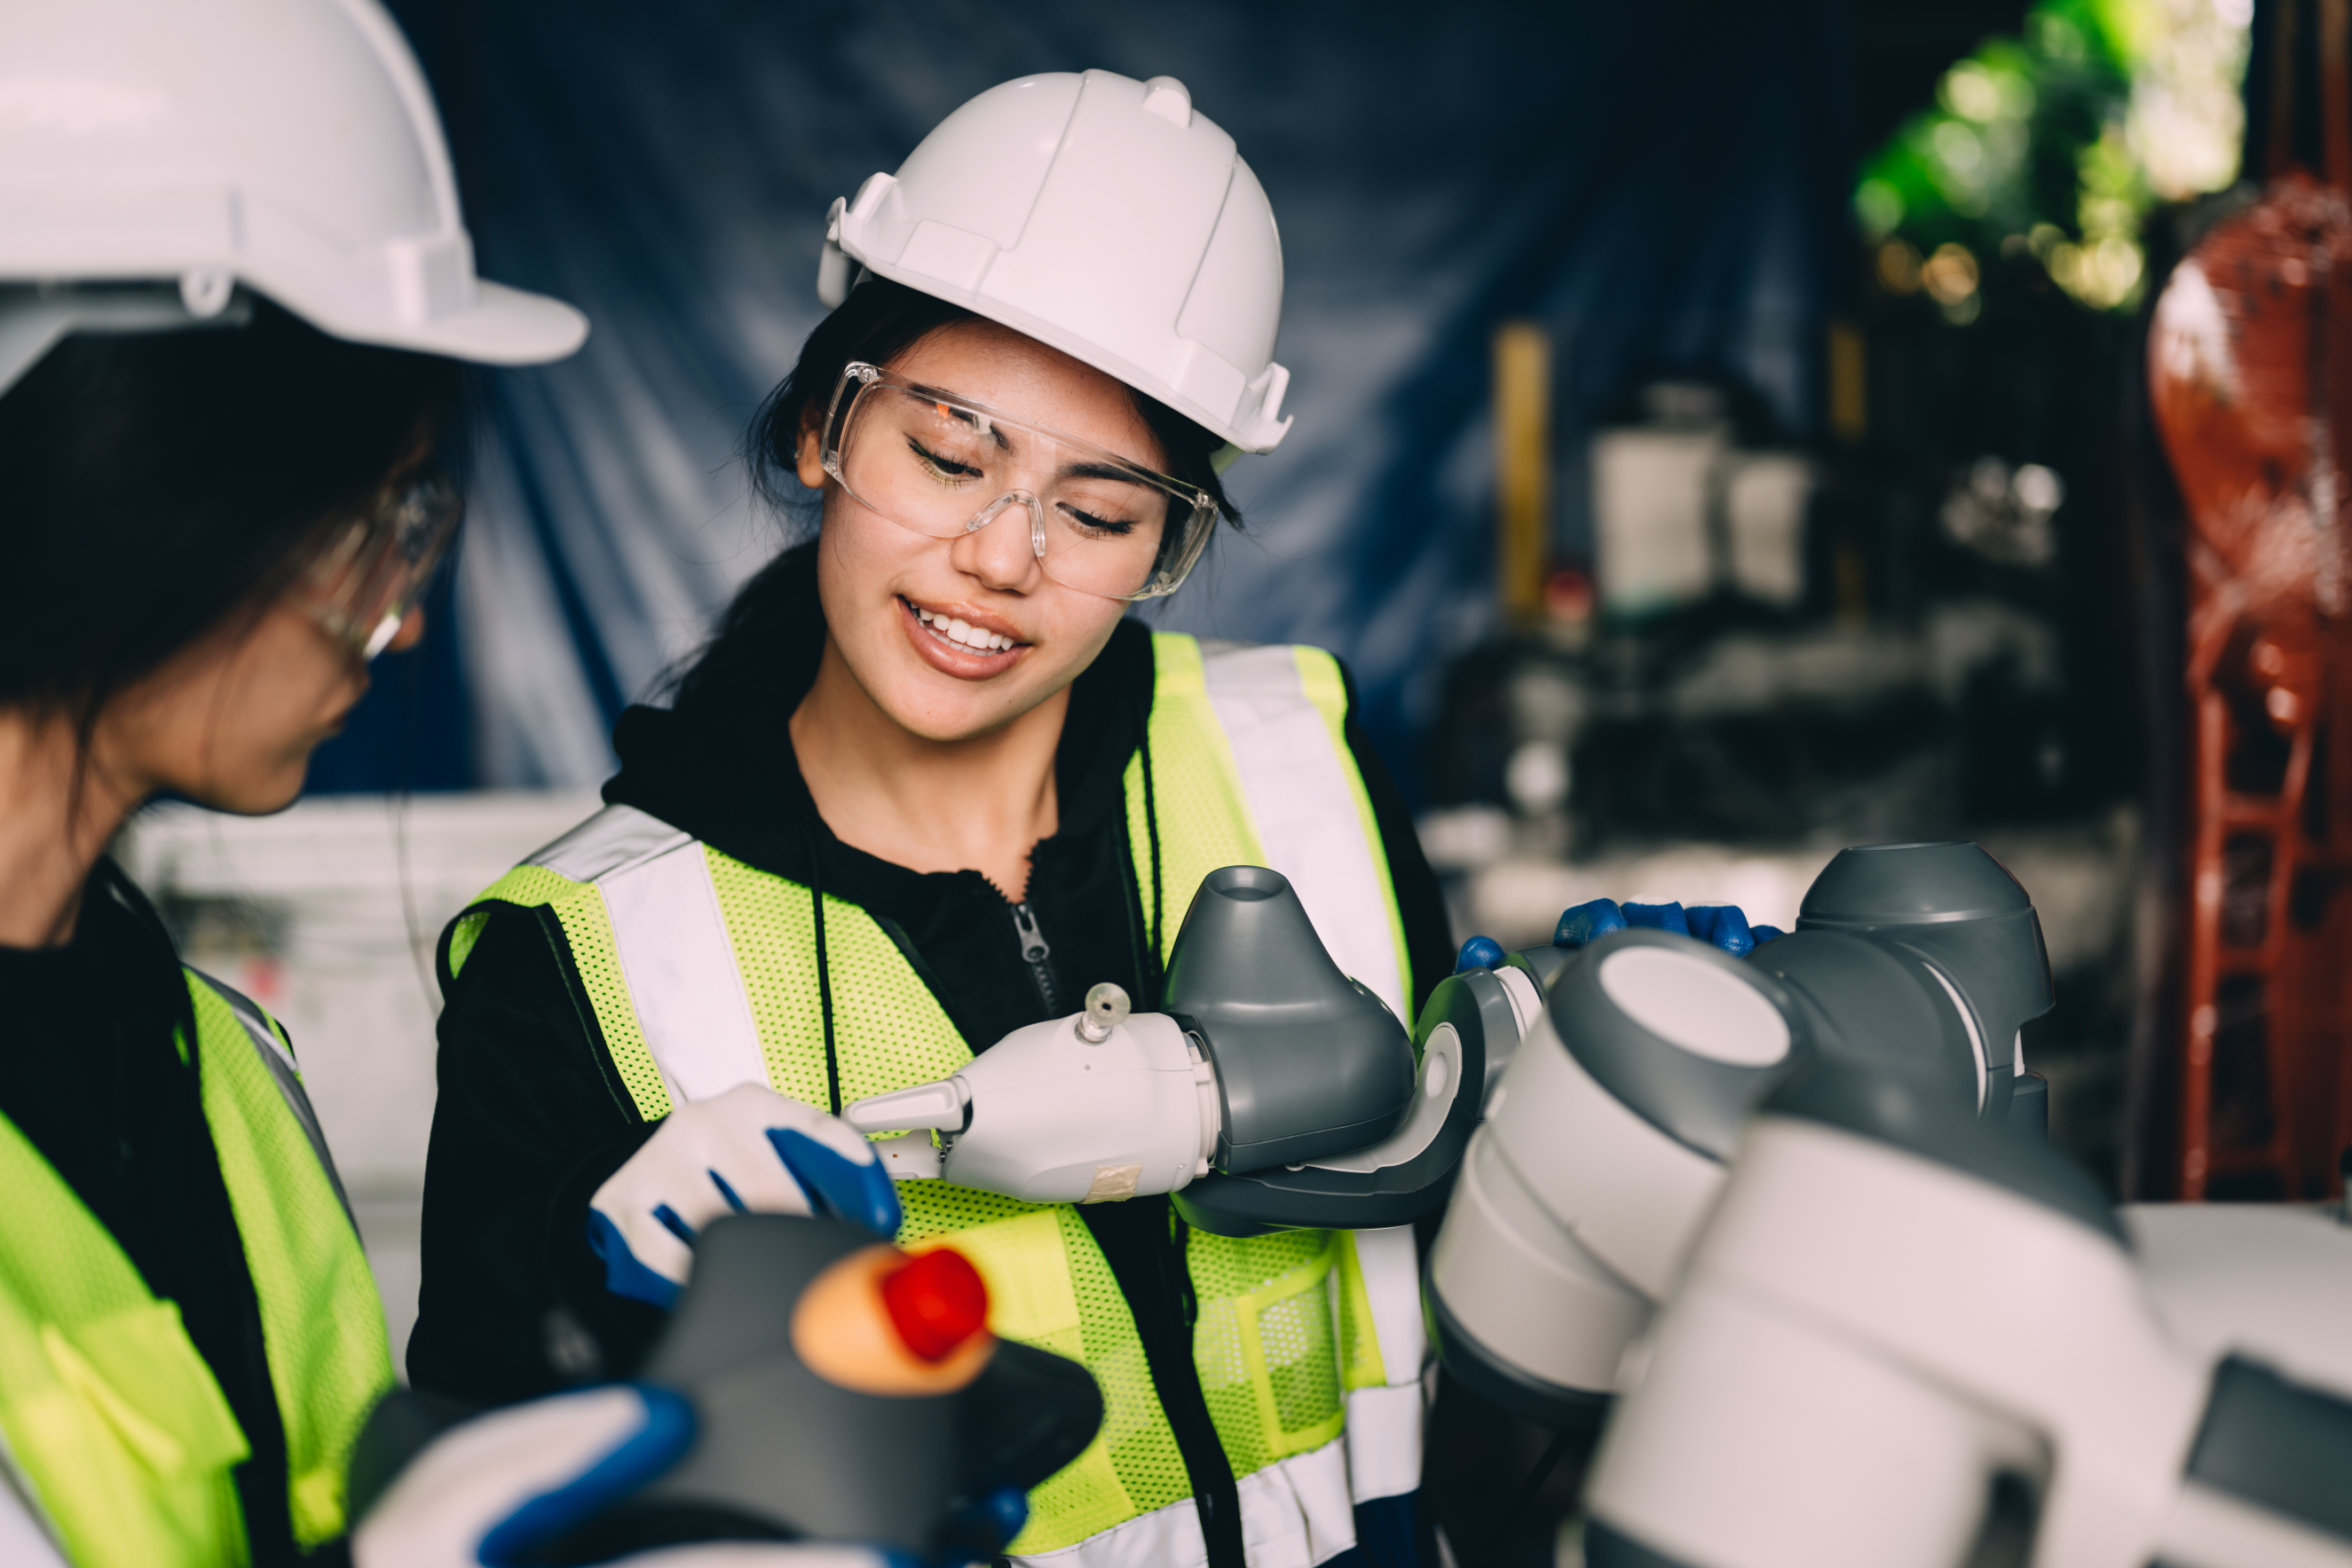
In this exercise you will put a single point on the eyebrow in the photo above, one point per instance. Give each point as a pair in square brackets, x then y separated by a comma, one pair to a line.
[1097, 471]
[963, 413]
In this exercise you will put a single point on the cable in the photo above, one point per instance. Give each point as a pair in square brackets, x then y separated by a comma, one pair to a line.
[824, 970]
[1508, 1520]
[1151, 827]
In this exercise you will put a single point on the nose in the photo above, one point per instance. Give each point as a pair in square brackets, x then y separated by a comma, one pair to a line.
[999, 553]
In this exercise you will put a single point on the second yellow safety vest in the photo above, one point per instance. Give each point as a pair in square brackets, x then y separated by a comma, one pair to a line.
[114, 1420]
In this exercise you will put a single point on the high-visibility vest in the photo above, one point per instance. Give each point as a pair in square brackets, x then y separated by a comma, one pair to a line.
[702, 972]
[118, 1433]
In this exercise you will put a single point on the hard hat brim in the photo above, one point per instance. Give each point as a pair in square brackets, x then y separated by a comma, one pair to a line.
[502, 327]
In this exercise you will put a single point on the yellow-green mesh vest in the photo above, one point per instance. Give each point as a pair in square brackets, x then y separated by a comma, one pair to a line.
[1283, 1331]
[114, 1420]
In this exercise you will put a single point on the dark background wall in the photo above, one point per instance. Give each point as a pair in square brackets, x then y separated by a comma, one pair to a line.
[1663, 186]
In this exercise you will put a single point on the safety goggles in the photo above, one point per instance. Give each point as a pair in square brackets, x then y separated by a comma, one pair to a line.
[375, 566]
[943, 467]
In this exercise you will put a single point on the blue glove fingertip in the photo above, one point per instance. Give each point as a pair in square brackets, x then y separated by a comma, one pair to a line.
[1658, 918]
[1764, 933]
[624, 1274]
[983, 1527]
[855, 1191]
[663, 1439]
[1588, 923]
[1479, 953]
[1725, 925]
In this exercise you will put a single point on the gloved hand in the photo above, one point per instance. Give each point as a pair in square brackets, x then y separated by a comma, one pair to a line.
[749, 1150]
[489, 1493]
[1724, 924]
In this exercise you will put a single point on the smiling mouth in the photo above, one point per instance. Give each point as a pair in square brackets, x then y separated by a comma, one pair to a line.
[959, 634]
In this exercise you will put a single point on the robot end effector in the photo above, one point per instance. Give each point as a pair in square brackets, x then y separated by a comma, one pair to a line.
[1272, 1092]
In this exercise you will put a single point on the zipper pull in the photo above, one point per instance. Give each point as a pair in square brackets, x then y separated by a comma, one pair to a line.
[1033, 941]
[1034, 952]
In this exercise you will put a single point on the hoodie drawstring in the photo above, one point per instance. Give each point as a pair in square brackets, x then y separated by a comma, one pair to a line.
[824, 971]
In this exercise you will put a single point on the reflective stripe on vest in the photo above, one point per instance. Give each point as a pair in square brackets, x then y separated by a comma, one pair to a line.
[1296, 1512]
[112, 1419]
[1290, 753]
[702, 971]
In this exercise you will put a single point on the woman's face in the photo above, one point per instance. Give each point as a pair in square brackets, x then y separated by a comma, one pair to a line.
[878, 580]
[232, 719]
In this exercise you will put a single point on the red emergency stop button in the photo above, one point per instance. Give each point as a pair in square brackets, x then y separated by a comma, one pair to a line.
[937, 1303]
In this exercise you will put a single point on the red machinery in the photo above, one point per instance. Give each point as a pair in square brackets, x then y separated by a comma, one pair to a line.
[2250, 376]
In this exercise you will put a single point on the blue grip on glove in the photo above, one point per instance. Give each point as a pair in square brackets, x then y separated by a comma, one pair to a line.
[853, 1193]
[624, 1275]
[1479, 953]
[1588, 923]
[1658, 918]
[1724, 925]
[667, 1433]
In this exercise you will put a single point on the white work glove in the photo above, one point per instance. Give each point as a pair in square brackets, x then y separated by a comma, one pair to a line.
[747, 1151]
[487, 1493]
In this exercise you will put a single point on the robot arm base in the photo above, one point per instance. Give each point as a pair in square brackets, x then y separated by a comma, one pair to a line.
[1522, 1392]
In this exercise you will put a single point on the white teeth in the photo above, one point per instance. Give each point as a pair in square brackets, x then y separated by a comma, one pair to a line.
[963, 631]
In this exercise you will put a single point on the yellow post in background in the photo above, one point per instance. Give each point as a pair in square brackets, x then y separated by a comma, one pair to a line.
[1849, 412]
[1522, 467]
[1849, 361]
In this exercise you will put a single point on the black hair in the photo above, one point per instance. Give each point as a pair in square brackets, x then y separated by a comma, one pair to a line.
[881, 320]
[154, 486]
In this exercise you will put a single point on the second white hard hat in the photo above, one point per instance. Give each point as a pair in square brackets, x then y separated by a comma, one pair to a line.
[154, 153]
[1102, 216]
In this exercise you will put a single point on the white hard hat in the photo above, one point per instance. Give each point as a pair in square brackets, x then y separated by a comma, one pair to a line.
[190, 145]
[1099, 215]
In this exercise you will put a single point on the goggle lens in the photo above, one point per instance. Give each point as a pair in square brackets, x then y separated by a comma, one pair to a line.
[376, 566]
[941, 467]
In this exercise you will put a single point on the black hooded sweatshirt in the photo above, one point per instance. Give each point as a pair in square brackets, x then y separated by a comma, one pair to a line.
[532, 1115]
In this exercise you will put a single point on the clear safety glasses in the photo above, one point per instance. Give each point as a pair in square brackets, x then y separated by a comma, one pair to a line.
[375, 566]
[942, 465]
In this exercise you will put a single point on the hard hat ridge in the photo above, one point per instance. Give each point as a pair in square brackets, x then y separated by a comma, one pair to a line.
[1099, 215]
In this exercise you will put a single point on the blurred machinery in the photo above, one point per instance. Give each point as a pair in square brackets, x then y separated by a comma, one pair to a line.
[1718, 668]
[2250, 368]
[1682, 510]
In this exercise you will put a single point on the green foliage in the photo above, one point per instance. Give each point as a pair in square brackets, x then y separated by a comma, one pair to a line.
[2054, 147]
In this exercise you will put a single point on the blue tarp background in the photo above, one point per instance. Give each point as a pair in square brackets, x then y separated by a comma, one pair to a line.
[1660, 184]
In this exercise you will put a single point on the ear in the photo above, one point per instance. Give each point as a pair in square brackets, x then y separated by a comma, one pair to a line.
[812, 450]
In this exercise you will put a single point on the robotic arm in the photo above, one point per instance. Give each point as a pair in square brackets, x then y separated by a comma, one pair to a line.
[1608, 1136]
[1273, 1091]
[1900, 1315]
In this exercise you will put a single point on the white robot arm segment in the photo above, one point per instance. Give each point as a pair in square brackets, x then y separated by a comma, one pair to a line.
[1895, 1306]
